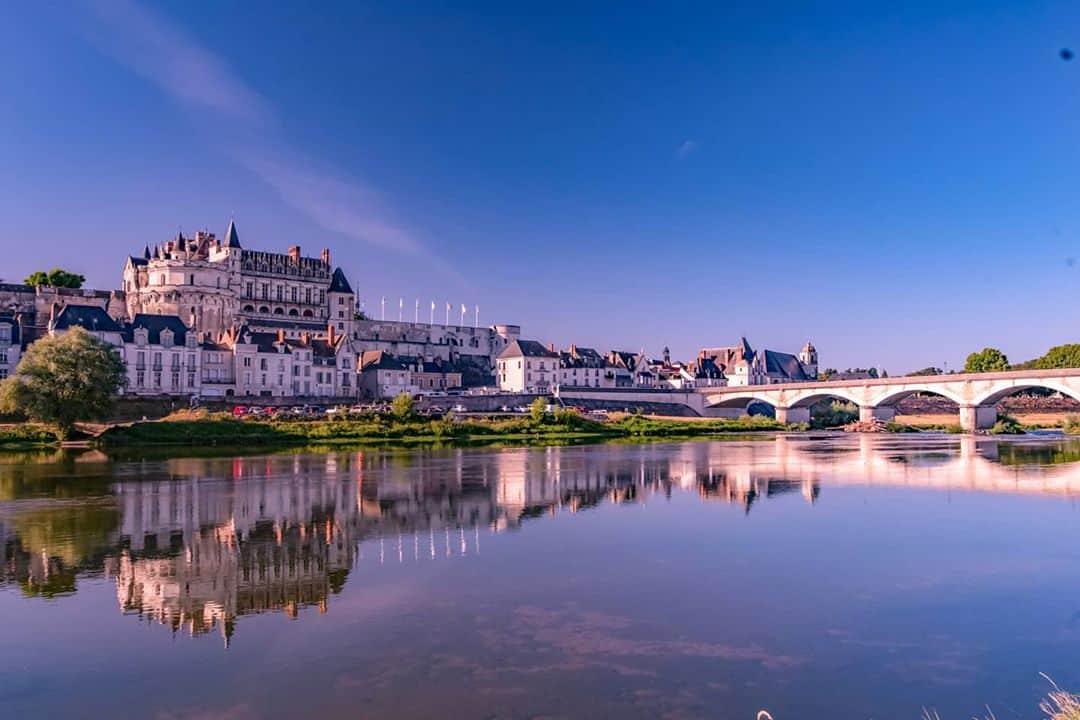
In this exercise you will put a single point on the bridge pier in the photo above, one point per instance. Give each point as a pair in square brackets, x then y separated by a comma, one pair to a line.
[884, 413]
[977, 417]
[793, 415]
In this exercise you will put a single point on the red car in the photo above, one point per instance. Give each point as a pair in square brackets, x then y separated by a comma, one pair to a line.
[239, 411]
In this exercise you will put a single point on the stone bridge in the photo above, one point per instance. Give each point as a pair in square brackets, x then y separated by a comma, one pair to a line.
[975, 393]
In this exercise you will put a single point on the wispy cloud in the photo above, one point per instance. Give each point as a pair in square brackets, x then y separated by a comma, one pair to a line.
[197, 79]
[686, 148]
[163, 54]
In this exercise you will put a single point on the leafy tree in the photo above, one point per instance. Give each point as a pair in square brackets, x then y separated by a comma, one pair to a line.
[55, 278]
[926, 371]
[402, 406]
[538, 409]
[826, 374]
[986, 360]
[64, 379]
[1060, 356]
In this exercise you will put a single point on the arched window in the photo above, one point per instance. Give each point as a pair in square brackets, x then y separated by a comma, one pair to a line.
[249, 308]
[307, 314]
[293, 313]
[264, 310]
[279, 311]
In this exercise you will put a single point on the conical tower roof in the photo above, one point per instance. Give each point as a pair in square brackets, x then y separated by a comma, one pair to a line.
[232, 240]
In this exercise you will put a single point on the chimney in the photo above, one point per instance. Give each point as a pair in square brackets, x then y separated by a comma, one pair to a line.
[281, 336]
[551, 347]
[294, 253]
[573, 350]
[330, 331]
[305, 338]
[326, 256]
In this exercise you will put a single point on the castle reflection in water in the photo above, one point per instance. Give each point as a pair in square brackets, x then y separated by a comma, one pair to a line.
[196, 543]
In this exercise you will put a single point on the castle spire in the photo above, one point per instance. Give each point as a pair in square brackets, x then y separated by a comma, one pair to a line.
[232, 240]
[146, 253]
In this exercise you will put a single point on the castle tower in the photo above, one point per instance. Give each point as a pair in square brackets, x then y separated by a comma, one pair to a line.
[341, 302]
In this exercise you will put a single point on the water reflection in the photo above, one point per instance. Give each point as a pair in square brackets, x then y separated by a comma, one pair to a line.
[196, 543]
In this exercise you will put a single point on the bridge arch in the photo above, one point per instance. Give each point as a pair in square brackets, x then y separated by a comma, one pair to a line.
[739, 400]
[993, 396]
[812, 397]
[890, 397]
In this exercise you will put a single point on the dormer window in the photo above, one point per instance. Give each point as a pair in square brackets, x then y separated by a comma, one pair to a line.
[166, 338]
[141, 336]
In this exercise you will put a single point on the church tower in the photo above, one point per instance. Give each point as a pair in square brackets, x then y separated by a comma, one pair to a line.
[808, 358]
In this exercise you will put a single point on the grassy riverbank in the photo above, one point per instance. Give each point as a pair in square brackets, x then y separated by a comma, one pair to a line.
[223, 430]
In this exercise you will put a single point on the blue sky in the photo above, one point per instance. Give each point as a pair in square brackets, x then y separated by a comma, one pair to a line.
[897, 184]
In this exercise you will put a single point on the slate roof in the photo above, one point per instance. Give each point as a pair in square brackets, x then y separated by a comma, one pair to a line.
[232, 240]
[267, 342]
[321, 347]
[9, 319]
[379, 360]
[88, 317]
[784, 364]
[154, 325]
[339, 283]
[527, 348]
[581, 357]
[707, 369]
[437, 366]
[137, 260]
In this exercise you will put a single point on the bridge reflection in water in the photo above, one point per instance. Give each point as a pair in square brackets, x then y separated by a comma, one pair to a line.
[196, 543]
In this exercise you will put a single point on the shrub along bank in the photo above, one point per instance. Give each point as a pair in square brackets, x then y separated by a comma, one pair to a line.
[26, 435]
[223, 430]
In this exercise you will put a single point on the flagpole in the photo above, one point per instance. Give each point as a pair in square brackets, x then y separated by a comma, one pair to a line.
[416, 315]
[463, 311]
[447, 323]
[382, 306]
[431, 321]
[400, 309]
[476, 321]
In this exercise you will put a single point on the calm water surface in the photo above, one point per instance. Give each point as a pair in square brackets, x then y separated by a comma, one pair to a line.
[846, 577]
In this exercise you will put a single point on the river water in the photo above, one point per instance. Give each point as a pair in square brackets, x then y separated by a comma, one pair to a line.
[833, 577]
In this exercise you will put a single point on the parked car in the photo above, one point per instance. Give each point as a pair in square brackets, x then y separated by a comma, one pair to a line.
[521, 409]
[459, 408]
[239, 411]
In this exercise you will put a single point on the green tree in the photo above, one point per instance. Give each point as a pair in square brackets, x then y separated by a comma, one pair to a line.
[1060, 356]
[926, 371]
[402, 406]
[64, 379]
[986, 360]
[55, 278]
[538, 409]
